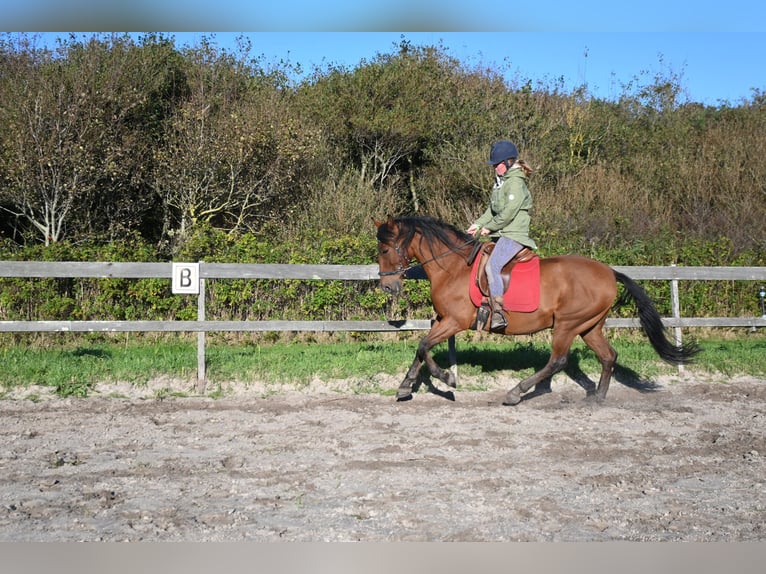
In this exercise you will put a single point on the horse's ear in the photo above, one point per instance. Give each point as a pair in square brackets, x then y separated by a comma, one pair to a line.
[389, 222]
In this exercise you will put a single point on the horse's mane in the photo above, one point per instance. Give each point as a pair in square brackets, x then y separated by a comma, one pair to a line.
[431, 229]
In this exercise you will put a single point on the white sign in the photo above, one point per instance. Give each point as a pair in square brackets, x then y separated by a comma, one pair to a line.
[186, 278]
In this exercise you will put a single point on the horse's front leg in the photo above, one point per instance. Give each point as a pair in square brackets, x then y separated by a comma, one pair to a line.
[440, 331]
[404, 392]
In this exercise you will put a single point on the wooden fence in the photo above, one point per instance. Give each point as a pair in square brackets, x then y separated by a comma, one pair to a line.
[202, 271]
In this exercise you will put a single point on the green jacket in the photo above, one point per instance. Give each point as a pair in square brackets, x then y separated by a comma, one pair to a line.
[508, 211]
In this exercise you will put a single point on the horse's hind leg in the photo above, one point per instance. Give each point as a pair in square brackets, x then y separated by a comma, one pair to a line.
[554, 365]
[606, 355]
[562, 341]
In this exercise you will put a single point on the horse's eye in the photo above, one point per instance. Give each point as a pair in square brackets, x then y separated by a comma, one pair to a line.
[383, 250]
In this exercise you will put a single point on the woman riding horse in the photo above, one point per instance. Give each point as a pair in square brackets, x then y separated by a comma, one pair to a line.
[506, 221]
[576, 295]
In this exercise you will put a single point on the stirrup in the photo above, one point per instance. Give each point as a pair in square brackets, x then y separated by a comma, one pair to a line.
[499, 322]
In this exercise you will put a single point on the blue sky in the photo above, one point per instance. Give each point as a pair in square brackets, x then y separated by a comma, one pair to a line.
[715, 50]
[711, 67]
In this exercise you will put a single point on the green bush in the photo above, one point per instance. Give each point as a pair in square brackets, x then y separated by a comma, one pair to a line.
[291, 299]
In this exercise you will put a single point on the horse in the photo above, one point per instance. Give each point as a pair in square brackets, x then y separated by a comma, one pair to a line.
[576, 294]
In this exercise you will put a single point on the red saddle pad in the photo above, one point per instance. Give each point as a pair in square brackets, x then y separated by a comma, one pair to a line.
[523, 294]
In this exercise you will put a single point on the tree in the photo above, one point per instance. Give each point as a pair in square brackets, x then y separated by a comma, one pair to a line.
[44, 163]
[231, 151]
[392, 116]
[79, 125]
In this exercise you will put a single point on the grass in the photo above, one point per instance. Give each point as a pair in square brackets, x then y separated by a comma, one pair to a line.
[75, 367]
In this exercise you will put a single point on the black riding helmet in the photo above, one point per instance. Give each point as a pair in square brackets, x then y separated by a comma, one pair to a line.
[502, 151]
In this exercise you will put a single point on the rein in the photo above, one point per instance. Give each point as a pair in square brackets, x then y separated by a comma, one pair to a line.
[401, 270]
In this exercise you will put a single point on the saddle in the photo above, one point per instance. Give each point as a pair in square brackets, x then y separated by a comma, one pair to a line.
[482, 282]
[522, 273]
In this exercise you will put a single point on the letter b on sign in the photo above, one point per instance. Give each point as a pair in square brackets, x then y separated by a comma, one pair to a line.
[186, 278]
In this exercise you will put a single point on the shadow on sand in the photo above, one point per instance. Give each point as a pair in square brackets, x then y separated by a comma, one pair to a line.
[527, 357]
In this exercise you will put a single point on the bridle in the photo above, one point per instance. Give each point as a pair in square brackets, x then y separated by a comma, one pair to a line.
[404, 264]
[404, 260]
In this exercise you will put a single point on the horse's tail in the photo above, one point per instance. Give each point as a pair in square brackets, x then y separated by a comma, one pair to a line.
[651, 323]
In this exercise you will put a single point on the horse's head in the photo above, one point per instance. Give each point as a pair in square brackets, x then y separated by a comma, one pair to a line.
[393, 260]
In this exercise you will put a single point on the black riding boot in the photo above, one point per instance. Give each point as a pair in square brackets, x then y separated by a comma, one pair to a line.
[499, 322]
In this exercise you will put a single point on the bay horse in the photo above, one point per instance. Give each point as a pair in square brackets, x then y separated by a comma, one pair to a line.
[576, 295]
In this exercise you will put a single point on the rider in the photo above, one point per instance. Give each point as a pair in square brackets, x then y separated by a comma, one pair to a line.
[506, 221]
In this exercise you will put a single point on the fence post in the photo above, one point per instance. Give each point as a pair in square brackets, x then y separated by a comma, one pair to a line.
[201, 375]
[676, 307]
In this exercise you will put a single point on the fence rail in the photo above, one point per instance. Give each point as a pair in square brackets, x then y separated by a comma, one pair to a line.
[127, 270]
[346, 272]
[133, 270]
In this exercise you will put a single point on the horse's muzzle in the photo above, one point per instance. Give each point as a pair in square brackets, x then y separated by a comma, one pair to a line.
[391, 287]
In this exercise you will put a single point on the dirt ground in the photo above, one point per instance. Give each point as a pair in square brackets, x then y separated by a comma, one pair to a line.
[681, 459]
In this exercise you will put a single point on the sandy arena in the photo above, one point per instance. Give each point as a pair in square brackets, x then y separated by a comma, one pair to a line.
[683, 459]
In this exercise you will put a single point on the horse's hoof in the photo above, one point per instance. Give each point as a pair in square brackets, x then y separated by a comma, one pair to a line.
[512, 399]
[451, 380]
[401, 397]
